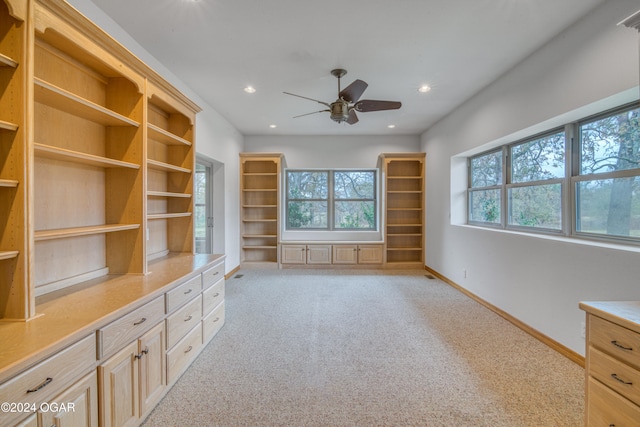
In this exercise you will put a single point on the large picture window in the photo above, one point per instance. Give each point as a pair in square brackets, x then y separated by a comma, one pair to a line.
[331, 200]
[580, 180]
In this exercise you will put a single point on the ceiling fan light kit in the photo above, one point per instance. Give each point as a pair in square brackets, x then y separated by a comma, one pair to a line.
[344, 108]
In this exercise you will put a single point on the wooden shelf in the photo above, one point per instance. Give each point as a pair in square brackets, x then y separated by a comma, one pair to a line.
[167, 194]
[10, 183]
[404, 209]
[158, 134]
[5, 61]
[404, 177]
[8, 126]
[63, 100]
[405, 225]
[168, 215]
[270, 190]
[154, 164]
[62, 233]
[8, 255]
[260, 174]
[403, 249]
[50, 152]
[403, 234]
[259, 206]
[260, 220]
[259, 247]
[257, 236]
[404, 192]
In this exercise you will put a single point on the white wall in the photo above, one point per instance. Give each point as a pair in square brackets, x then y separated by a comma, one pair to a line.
[215, 137]
[593, 65]
[332, 151]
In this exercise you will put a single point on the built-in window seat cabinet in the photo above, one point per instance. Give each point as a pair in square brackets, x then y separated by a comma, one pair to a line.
[103, 302]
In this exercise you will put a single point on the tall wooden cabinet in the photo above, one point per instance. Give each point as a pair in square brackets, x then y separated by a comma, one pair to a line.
[260, 176]
[96, 157]
[404, 209]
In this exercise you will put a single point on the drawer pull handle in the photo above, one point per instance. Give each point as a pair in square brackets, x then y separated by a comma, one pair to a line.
[186, 319]
[140, 322]
[188, 291]
[216, 273]
[614, 342]
[620, 380]
[189, 349]
[142, 353]
[41, 385]
[217, 294]
[216, 319]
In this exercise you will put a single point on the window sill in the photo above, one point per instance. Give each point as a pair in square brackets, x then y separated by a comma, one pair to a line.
[564, 239]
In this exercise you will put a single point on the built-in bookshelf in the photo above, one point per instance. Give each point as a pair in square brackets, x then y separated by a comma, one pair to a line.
[260, 187]
[404, 209]
[96, 157]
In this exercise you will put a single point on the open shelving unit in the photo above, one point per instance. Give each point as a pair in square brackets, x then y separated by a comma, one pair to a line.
[170, 168]
[14, 291]
[404, 209]
[260, 186]
[96, 157]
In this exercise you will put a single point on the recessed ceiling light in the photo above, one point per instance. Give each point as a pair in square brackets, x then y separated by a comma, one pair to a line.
[391, 126]
[249, 89]
[273, 126]
[424, 89]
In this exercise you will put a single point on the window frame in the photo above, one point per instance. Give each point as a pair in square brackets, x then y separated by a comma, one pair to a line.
[331, 200]
[569, 183]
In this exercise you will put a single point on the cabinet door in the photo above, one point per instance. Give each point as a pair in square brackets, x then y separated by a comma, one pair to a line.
[119, 392]
[294, 254]
[369, 254]
[345, 254]
[153, 380]
[319, 254]
[76, 407]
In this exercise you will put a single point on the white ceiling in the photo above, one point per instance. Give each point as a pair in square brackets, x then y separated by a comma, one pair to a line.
[217, 47]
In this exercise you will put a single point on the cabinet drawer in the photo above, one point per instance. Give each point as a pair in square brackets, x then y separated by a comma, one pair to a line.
[48, 378]
[212, 275]
[622, 343]
[616, 375]
[212, 323]
[180, 356]
[129, 327]
[183, 320]
[212, 297]
[183, 293]
[607, 408]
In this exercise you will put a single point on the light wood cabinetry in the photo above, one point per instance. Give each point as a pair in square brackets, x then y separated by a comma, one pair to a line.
[612, 363]
[133, 380]
[76, 407]
[357, 254]
[306, 254]
[260, 195]
[96, 157]
[404, 209]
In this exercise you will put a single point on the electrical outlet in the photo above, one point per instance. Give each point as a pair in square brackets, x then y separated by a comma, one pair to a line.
[464, 272]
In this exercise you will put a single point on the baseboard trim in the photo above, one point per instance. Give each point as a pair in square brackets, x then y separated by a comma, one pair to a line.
[555, 345]
[232, 272]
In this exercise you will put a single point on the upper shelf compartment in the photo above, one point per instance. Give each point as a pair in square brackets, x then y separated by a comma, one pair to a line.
[61, 99]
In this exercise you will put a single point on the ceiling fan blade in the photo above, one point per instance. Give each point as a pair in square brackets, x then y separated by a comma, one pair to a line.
[301, 115]
[354, 91]
[353, 117]
[367, 105]
[310, 99]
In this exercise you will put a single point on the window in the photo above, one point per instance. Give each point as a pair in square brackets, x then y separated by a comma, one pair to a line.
[331, 200]
[537, 173]
[485, 193]
[525, 185]
[607, 192]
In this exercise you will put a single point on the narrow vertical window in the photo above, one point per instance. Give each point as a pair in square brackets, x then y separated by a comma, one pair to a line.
[485, 172]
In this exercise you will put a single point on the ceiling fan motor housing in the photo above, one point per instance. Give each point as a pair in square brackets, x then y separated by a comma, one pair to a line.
[340, 111]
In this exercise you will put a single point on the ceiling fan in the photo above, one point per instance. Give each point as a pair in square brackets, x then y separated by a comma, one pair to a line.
[344, 108]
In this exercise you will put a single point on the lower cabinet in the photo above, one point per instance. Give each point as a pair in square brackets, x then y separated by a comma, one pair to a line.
[306, 254]
[76, 407]
[357, 254]
[133, 380]
[338, 254]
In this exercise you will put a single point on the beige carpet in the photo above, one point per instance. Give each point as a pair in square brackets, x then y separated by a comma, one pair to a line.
[368, 348]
